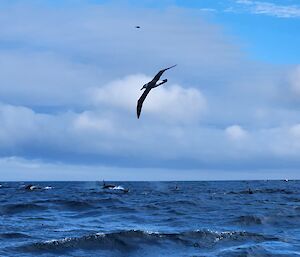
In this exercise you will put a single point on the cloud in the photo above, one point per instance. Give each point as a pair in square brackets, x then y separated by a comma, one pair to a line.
[168, 102]
[23, 131]
[44, 79]
[91, 138]
[271, 9]
[35, 170]
[71, 78]
[294, 80]
[295, 130]
[235, 132]
[90, 122]
[60, 54]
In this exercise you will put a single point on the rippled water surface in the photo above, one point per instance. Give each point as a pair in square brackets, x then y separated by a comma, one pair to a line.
[152, 219]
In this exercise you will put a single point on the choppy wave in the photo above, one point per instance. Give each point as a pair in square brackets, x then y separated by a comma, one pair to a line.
[249, 220]
[75, 205]
[130, 240]
[184, 203]
[13, 235]
[231, 222]
[263, 191]
[82, 204]
[21, 207]
[256, 250]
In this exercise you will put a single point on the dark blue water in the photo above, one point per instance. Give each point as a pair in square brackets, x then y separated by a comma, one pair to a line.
[152, 219]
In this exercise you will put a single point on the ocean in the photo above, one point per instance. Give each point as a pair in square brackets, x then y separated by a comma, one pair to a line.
[232, 218]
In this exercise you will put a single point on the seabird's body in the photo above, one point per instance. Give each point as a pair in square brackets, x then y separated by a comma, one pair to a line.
[152, 85]
[155, 82]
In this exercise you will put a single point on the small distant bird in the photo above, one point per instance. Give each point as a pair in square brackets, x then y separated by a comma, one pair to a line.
[152, 84]
[137, 27]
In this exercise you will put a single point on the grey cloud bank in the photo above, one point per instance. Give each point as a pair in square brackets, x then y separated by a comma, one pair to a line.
[85, 66]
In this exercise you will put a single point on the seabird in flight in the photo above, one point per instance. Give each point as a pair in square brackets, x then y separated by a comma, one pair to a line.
[152, 84]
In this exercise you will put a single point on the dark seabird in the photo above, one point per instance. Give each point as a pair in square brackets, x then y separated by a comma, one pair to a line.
[137, 27]
[152, 84]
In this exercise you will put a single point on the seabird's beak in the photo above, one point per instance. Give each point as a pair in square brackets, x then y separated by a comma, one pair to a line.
[142, 88]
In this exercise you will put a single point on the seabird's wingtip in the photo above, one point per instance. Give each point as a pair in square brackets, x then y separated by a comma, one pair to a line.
[171, 66]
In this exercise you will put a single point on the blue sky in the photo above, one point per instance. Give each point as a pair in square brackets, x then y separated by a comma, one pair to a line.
[71, 73]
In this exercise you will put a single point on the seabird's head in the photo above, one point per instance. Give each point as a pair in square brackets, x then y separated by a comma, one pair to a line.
[145, 86]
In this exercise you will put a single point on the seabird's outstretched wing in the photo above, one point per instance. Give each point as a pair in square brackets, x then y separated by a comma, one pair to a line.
[140, 102]
[158, 75]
